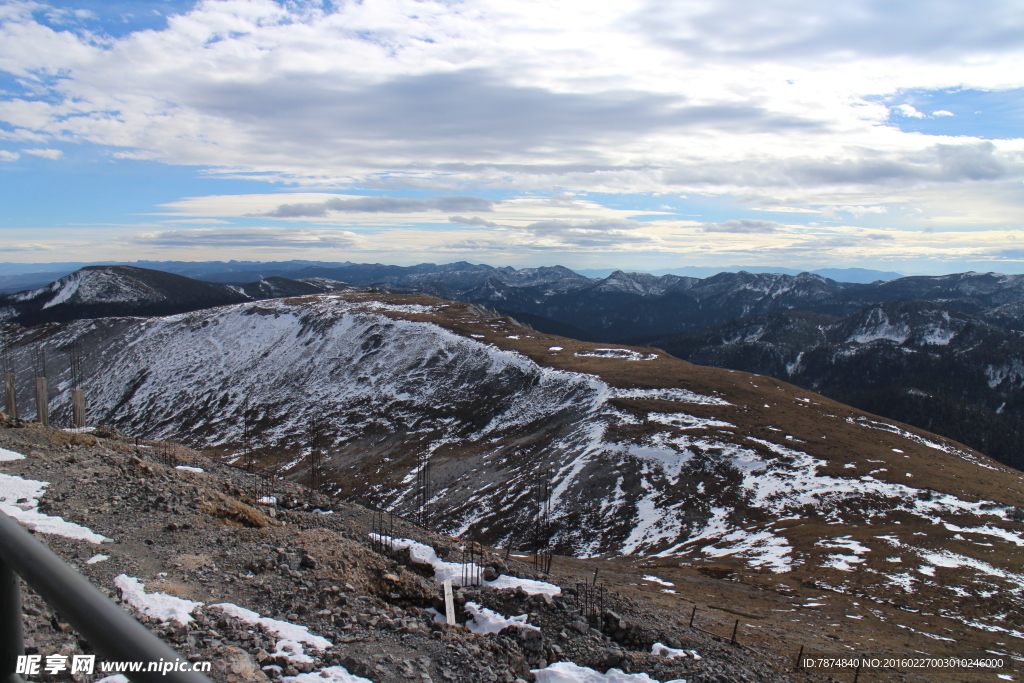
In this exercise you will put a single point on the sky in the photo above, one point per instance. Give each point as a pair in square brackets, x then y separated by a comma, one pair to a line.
[640, 134]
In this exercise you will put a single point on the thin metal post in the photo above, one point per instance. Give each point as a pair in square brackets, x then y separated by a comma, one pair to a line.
[10, 396]
[735, 628]
[856, 674]
[799, 657]
[111, 631]
[12, 642]
[694, 613]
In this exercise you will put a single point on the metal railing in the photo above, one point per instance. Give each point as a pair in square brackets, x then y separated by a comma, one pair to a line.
[111, 631]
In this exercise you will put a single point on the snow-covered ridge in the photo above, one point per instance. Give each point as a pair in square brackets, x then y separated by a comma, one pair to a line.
[621, 478]
[94, 286]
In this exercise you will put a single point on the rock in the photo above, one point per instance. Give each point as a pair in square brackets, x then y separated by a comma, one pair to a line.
[237, 666]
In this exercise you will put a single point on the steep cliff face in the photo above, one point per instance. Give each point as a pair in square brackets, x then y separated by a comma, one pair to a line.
[533, 438]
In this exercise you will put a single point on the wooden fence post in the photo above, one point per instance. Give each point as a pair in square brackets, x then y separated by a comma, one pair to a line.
[42, 402]
[10, 396]
[78, 407]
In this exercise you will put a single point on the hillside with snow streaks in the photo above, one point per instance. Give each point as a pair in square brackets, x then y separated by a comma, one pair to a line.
[657, 457]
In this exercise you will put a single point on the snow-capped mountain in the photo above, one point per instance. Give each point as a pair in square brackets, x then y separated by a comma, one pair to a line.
[104, 291]
[635, 452]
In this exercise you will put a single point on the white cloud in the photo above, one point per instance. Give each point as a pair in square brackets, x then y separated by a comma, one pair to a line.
[605, 97]
[9, 156]
[778, 104]
[743, 226]
[251, 238]
[45, 153]
[909, 112]
[943, 112]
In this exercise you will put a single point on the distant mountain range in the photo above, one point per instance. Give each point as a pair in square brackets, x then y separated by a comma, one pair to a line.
[917, 362]
[16, 277]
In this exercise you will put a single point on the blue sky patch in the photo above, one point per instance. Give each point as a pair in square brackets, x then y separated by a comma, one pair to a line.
[988, 114]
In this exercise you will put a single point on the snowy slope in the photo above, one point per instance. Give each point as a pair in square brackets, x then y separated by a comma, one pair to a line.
[631, 464]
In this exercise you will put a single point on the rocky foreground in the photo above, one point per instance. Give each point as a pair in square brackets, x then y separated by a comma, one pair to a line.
[200, 535]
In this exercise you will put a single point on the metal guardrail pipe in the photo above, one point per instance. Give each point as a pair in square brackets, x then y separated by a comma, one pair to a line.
[111, 631]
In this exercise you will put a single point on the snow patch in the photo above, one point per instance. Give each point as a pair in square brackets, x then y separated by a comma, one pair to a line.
[420, 553]
[283, 629]
[621, 354]
[6, 455]
[155, 605]
[567, 672]
[19, 498]
[486, 621]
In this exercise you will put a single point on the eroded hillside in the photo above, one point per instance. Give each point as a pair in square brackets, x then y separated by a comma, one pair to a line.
[636, 453]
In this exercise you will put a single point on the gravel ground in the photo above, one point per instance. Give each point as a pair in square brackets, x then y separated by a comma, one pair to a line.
[201, 536]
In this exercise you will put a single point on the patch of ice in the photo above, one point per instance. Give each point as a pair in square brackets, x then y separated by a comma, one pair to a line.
[156, 605]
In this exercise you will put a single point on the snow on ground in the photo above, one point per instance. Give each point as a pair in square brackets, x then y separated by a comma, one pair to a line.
[6, 455]
[670, 394]
[292, 638]
[567, 672]
[97, 558]
[79, 430]
[758, 548]
[332, 674]
[397, 308]
[156, 605]
[1004, 534]
[843, 561]
[684, 421]
[293, 651]
[420, 553]
[886, 427]
[187, 468]
[621, 354]
[19, 498]
[486, 621]
[283, 629]
[672, 653]
[655, 579]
